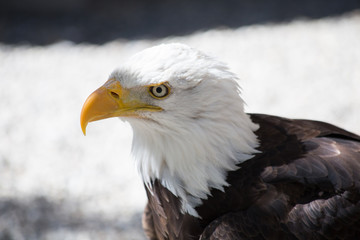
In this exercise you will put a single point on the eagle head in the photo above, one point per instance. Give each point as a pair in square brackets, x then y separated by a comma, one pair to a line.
[187, 116]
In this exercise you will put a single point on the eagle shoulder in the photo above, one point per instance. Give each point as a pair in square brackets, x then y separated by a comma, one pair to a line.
[304, 184]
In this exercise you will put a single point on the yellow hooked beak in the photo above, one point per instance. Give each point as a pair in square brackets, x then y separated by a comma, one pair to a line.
[112, 100]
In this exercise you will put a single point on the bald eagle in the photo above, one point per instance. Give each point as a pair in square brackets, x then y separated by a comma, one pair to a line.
[212, 171]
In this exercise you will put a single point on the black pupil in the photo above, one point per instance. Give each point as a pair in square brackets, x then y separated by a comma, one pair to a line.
[158, 89]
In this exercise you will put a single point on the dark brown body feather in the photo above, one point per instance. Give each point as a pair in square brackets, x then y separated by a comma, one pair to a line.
[305, 184]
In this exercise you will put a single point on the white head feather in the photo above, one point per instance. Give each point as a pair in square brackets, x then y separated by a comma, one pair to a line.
[203, 131]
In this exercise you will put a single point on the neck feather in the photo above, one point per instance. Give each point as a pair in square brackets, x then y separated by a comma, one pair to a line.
[191, 160]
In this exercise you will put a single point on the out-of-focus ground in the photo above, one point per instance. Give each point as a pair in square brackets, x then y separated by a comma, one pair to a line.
[57, 184]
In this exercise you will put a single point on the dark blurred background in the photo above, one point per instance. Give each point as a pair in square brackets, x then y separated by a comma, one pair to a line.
[42, 22]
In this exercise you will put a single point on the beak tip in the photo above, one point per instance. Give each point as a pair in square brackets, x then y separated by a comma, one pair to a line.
[83, 127]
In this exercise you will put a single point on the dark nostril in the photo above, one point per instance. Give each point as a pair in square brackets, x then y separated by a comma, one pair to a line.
[115, 95]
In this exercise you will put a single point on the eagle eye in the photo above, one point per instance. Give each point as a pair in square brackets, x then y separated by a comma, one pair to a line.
[159, 91]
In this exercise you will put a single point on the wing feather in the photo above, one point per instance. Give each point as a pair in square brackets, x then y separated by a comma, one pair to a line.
[311, 171]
